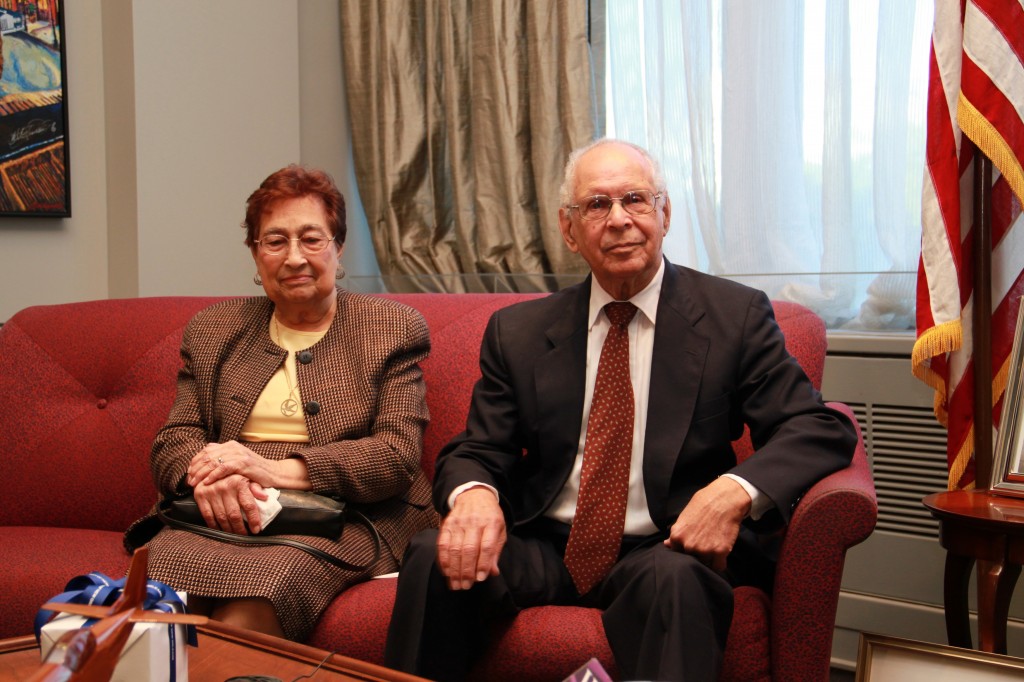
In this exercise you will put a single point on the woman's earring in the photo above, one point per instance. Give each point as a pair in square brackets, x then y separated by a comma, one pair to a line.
[257, 280]
[340, 273]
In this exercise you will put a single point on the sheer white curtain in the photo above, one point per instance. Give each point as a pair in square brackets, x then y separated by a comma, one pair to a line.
[792, 138]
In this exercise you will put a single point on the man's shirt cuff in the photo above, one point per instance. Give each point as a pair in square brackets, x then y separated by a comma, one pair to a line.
[759, 502]
[473, 484]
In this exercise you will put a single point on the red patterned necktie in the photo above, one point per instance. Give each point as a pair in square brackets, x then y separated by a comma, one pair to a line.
[596, 533]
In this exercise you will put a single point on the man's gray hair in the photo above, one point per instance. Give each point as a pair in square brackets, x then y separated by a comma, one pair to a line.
[569, 182]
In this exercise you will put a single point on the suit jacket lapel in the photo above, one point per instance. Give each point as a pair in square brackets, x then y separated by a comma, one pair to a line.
[560, 378]
[677, 366]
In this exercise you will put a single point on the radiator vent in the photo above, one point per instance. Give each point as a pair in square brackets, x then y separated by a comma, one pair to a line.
[907, 450]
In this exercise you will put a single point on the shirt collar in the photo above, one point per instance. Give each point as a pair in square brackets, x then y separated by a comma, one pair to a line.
[646, 300]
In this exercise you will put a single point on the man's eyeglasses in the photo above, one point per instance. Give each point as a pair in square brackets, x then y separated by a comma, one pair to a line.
[276, 244]
[635, 202]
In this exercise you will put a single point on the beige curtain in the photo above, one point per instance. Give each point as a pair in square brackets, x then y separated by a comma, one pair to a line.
[463, 113]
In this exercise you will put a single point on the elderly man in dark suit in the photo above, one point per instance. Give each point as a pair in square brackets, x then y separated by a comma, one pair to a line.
[596, 467]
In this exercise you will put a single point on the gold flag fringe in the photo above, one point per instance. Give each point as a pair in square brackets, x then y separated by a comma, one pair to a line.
[999, 382]
[945, 338]
[989, 140]
[940, 339]
[959, 463]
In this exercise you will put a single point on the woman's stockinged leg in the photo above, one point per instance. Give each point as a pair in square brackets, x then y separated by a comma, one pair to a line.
[255, 613]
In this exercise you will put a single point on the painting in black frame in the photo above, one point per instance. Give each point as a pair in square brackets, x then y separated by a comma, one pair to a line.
[34, 164]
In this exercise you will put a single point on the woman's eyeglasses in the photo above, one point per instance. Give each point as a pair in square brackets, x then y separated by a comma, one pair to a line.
[276, 244]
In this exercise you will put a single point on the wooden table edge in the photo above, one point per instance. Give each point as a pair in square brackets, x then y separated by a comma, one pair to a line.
[964, 517]
[304, 653]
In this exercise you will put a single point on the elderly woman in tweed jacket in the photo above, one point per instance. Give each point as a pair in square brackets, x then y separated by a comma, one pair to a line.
[310, 388]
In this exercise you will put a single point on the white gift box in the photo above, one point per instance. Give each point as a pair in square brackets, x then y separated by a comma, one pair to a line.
[146, 656]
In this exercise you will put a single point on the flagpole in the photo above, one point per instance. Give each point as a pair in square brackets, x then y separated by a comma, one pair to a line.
[982, 322]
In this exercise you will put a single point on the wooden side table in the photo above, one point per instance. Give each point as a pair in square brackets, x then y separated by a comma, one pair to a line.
[976, 526]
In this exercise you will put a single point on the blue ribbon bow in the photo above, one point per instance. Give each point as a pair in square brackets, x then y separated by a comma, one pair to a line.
[99, 590]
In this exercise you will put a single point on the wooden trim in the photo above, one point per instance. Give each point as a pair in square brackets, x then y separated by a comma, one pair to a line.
[18, 644]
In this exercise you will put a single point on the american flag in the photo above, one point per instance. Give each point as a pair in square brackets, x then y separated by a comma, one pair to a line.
[975, 100]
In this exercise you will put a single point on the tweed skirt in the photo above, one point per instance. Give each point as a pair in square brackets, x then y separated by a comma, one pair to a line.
[299, 585]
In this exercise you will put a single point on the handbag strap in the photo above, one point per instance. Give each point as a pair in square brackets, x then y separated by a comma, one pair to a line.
[224, 536]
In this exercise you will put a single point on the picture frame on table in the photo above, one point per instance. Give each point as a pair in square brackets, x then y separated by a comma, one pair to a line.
[34, 165]
[882, 658]
[1008, 455]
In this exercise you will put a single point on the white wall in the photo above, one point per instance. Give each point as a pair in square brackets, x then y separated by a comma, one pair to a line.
[177, 110]
[217, 109]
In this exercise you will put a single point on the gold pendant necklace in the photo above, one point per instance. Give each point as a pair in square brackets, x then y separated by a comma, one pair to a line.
[289, 406]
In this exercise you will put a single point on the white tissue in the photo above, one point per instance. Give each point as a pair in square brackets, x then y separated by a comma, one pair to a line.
[270, 507]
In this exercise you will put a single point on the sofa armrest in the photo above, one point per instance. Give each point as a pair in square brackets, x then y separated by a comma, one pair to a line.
[835, 514]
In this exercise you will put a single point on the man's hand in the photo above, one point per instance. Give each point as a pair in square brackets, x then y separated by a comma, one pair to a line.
[471, 538]
[708, 526]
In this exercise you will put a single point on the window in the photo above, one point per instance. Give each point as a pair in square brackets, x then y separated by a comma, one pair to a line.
[792, 138]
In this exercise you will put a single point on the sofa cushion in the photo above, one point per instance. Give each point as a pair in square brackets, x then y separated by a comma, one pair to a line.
[101, 378]
[356, 622]
[545, 643]
[748, 649]
[540, 643]
[38, 562]
[456, 328]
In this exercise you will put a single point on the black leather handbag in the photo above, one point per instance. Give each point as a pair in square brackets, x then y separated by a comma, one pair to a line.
[302, 513]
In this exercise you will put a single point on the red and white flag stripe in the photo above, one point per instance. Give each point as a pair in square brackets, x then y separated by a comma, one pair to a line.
[975, 100]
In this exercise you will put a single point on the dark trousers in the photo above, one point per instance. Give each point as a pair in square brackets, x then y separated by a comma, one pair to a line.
[666, 615]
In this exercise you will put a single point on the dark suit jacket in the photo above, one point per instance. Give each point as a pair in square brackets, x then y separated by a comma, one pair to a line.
[719, 362]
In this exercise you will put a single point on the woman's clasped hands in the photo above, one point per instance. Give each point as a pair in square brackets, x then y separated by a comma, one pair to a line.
[227, 479]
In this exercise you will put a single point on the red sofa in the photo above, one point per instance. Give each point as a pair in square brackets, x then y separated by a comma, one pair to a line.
[85, 386]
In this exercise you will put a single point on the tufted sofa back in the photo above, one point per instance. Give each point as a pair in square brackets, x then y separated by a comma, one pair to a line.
[86, 386]
[457, 323]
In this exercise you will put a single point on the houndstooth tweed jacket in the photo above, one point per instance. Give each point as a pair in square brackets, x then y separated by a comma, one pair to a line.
[363, 397]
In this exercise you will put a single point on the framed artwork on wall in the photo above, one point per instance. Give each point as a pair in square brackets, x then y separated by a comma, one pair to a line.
[33, 110]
